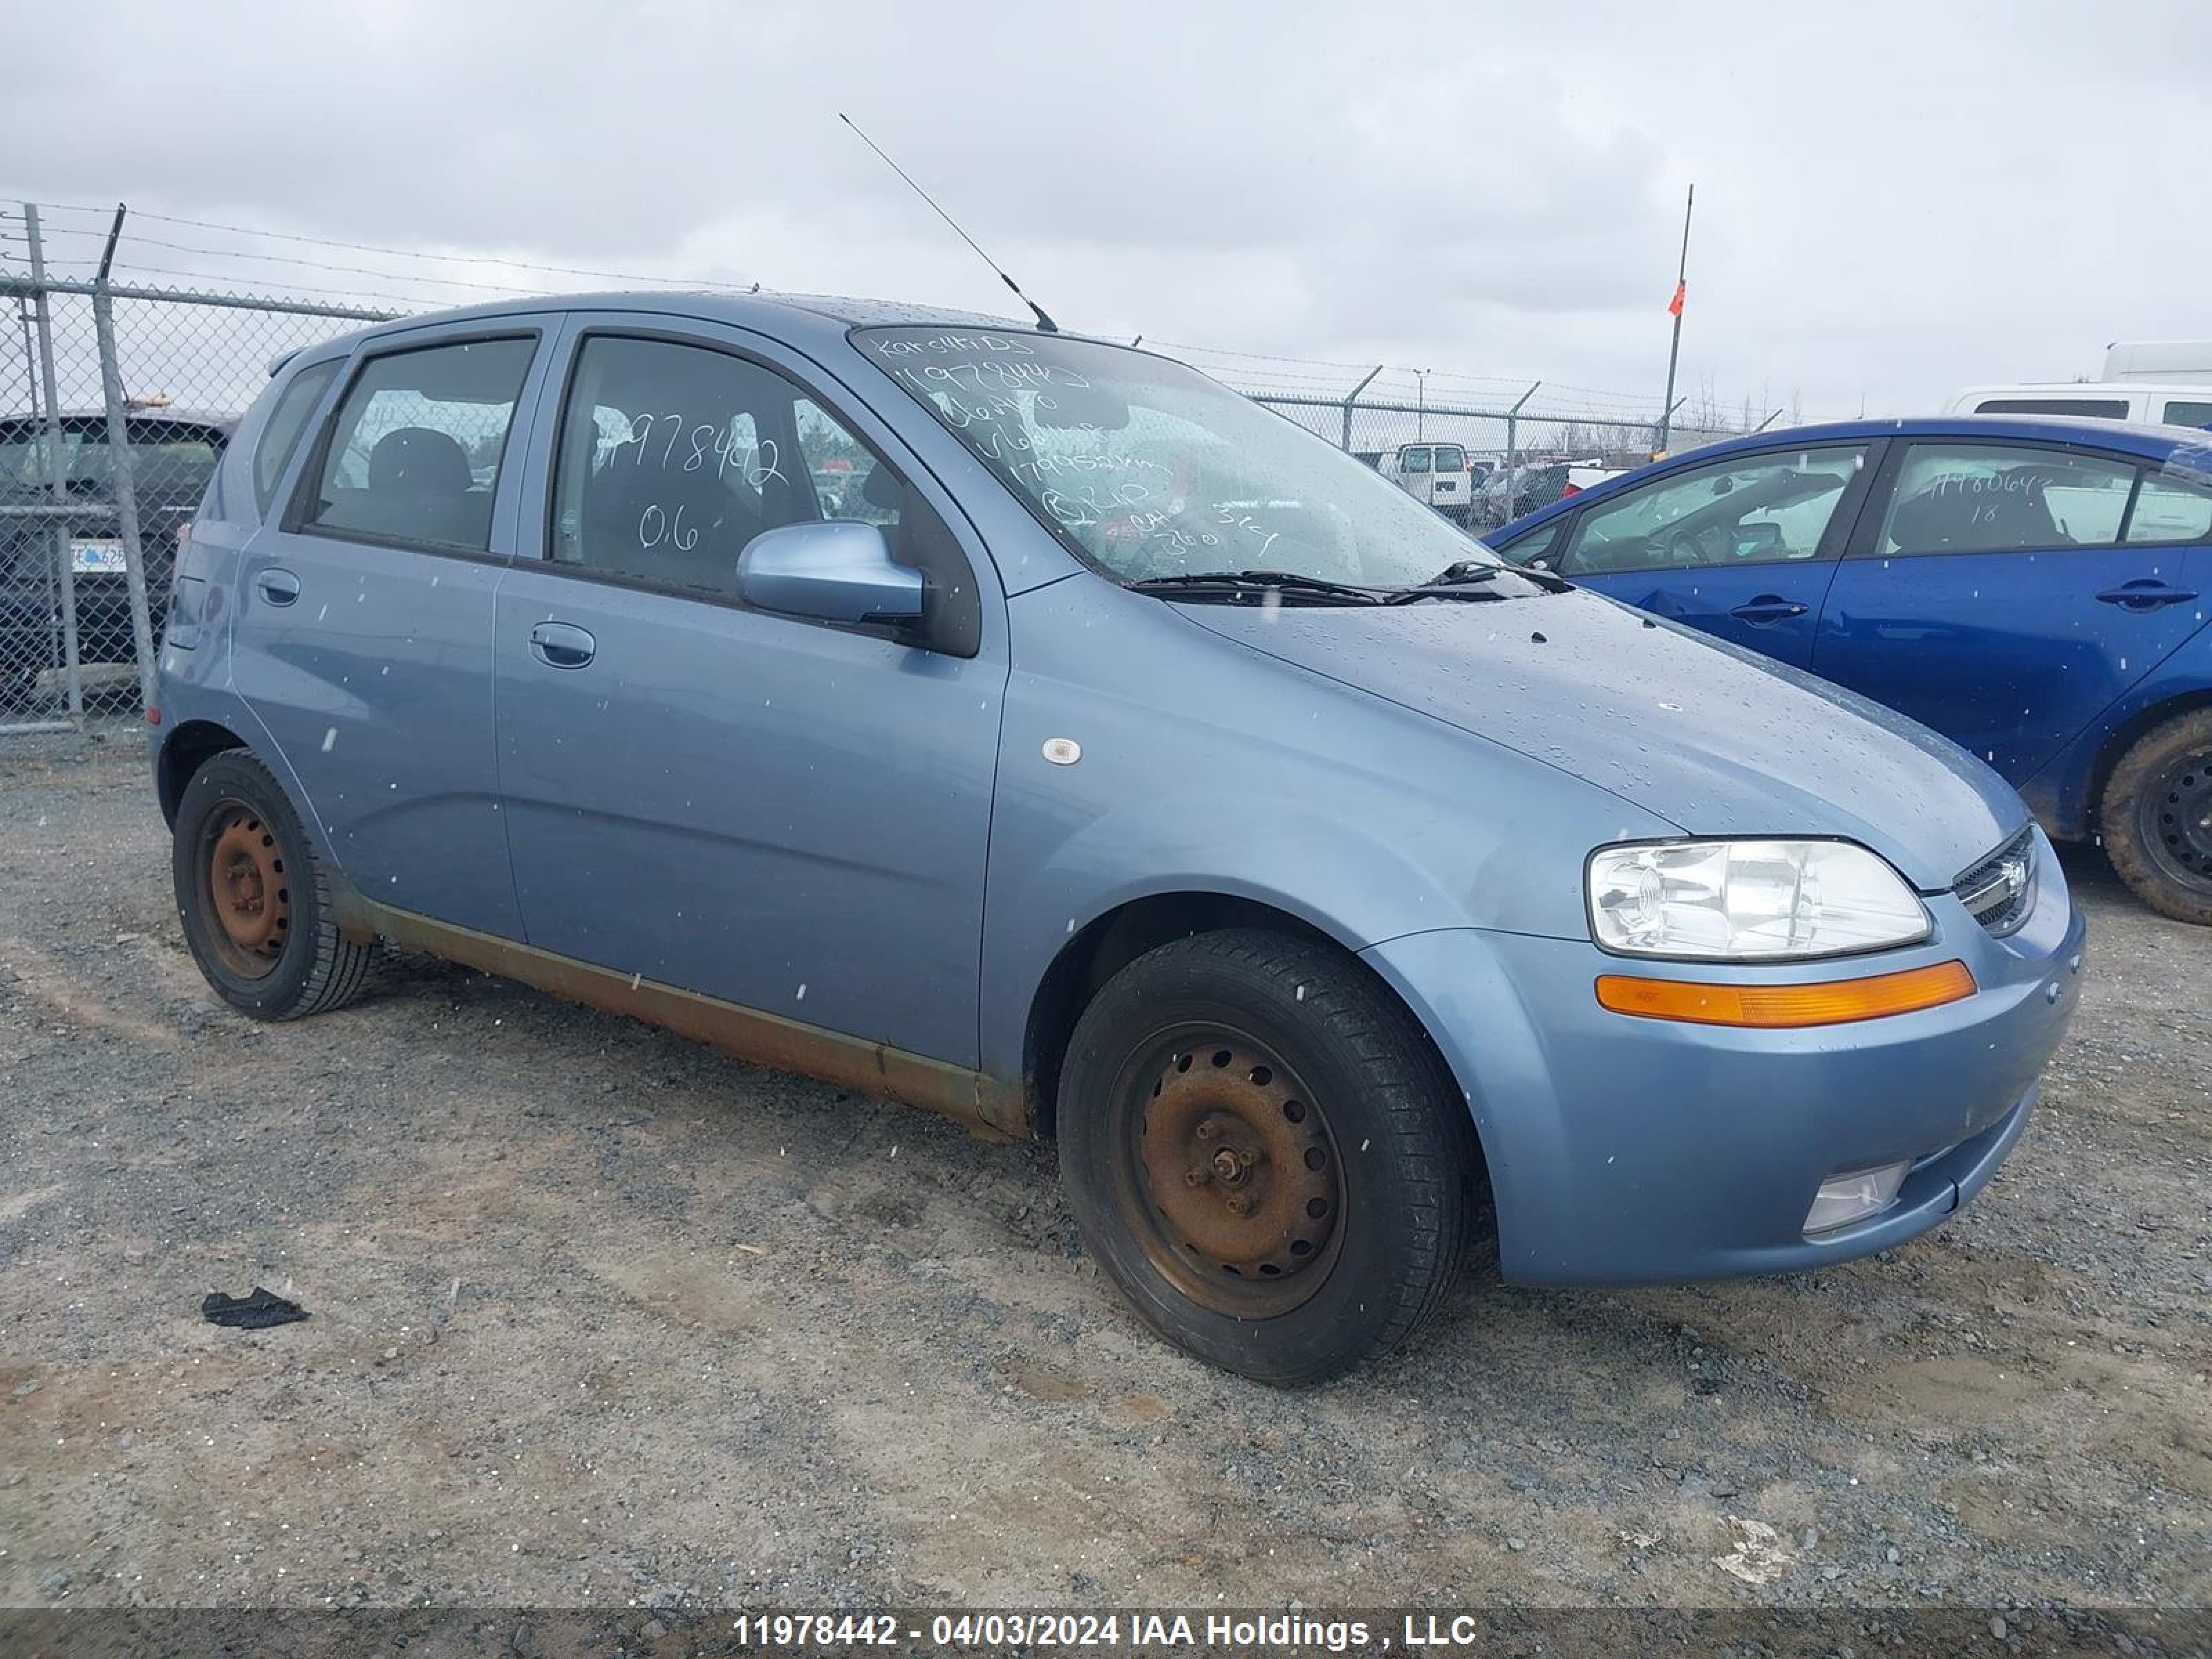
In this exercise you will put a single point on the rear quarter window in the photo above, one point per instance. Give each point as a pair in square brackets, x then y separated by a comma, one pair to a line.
[288, 422]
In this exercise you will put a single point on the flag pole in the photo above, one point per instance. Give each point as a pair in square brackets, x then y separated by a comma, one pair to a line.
[1674, 350]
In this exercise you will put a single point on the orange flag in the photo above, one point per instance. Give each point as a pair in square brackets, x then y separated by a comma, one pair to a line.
[1675, 305]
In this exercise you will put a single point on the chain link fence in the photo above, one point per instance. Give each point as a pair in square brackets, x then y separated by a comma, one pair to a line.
[116, 402]
[1481, 450]
[116, 397]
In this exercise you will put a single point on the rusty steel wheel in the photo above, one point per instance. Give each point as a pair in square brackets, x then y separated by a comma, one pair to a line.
[246, 893]
[1264, 1152]
[1233, 1176]
[255, 903]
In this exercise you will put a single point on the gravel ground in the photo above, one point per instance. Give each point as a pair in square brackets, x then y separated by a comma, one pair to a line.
[601, 1318]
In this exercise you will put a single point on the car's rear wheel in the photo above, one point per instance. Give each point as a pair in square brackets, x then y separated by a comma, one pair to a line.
[1265, 1154]
[2156, 818]
[254, 898]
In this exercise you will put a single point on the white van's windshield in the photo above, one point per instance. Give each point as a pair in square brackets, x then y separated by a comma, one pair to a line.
[1152, 471]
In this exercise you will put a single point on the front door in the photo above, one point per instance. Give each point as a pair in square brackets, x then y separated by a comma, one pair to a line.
[1741, 548]
[362, 636]
[2006, 594]
[779, 813]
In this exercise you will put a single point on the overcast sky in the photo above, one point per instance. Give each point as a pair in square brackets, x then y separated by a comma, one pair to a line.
[1894, 200]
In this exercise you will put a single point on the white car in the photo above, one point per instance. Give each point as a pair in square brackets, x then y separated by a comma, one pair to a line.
[2171, 404]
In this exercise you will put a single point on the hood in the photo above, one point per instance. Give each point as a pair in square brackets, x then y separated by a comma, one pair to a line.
[1713, 740]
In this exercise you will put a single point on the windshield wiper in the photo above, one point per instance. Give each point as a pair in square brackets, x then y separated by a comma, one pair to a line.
[1469, 573]
[1236, 584]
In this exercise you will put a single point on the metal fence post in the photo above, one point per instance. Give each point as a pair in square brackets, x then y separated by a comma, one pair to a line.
[126, 492]
[1345, 443]
[1512, 455]
[57, 464]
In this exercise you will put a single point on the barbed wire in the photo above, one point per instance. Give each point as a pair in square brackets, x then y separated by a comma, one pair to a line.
[1257, 373]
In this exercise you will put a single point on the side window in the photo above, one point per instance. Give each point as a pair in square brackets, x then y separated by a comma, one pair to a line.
[1994, 498]
[2087, 409]
[848, 482]
[414, 452]
[2171, 509]
[1536, 546]
[286, 422]
[673, 456]
[2187, 412]
[1760, 509]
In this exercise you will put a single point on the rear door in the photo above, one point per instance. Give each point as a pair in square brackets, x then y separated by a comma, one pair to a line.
[784, 814]
[1742, 548]
[2006, 593]
[1450, 488]
[362, 632]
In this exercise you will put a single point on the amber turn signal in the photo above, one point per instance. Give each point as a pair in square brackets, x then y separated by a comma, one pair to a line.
[1829, 1002]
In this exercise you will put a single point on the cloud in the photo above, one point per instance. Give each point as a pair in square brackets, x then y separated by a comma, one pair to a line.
[1893, 201]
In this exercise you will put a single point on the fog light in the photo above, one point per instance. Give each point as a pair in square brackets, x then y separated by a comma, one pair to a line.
[1843, 1199]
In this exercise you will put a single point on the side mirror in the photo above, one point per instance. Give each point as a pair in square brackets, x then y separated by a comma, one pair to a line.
[837, 570]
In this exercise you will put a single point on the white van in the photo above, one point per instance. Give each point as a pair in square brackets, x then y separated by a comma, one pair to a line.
[1438, 475]
[2176, 403]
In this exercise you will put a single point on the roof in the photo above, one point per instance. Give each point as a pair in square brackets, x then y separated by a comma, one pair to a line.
[796, 317]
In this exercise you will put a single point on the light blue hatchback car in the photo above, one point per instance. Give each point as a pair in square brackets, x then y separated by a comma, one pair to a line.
[1031, 728]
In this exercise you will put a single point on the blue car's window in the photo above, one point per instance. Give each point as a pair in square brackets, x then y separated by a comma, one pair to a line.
[1993, 498]
[1149, 469]
[2171, 509]
[673, 456]
[1755, 509]
[415, 450]
[286, 423]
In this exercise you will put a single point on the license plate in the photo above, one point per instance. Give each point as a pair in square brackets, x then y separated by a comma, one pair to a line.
[96, 555]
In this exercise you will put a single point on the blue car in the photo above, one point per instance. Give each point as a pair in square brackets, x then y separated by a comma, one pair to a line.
[1030, 728]
[2035, 589]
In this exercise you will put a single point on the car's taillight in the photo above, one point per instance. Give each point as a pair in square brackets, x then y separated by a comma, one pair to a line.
[1572, 489]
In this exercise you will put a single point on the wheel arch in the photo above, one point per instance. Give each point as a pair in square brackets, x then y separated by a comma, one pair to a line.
[186, 749]
[2124, 737]
[1095, 952]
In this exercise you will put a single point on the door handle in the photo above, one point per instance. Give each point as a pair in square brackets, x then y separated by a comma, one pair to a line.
[2145, 593]
[278, 587]
[1767, 608]
[561, 645]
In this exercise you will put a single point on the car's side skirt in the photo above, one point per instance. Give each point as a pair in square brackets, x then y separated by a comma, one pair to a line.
[990, 1108]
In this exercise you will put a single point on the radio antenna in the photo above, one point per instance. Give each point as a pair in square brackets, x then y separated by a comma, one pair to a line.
[1043, 321]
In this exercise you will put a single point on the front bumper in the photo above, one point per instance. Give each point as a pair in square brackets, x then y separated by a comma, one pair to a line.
[1631, 1150]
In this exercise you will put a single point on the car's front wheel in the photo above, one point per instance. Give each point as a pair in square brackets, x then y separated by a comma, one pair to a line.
[2156, 818]
[254, 899]
[1265, 1153]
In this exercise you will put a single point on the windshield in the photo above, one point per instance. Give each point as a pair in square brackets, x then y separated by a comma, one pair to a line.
[1150, 470]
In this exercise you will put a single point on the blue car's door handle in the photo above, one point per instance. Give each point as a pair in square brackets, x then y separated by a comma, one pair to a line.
[278, 587]
[2146, 593]
[561, 645]
[1767, 608]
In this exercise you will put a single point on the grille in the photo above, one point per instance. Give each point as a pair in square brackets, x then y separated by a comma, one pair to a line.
[2000, 891]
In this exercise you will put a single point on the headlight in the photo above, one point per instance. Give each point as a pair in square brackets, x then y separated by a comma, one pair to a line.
[1764, 899]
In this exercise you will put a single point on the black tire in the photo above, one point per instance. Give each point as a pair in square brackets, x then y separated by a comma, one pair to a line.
[1308, 1072]
[2156, 818]
[262, 932]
